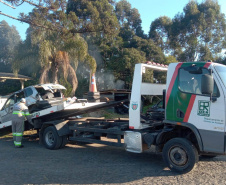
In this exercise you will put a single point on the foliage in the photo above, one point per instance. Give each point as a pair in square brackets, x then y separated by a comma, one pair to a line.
[170, 59]
[129, 19]
[26, 58]
[160, 32]
[196, 34]
[58, 44]
[9, 38]
[123, 64]
[68, 41]
[95, 15]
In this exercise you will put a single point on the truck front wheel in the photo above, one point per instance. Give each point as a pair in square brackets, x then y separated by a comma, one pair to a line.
[180, 155]
[51, 138]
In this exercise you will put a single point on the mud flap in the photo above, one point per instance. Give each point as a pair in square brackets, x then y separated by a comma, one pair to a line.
[133, 141]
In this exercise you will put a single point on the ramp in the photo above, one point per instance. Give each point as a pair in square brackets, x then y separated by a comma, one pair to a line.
[66, 113]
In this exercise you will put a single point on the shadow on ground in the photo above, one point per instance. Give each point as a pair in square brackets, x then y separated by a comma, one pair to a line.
[77, 164]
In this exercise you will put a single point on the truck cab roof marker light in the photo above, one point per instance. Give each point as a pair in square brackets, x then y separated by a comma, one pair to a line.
[156, 64]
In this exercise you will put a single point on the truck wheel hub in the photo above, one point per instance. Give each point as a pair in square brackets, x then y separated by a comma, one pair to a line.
[49, 138]
[178, 156]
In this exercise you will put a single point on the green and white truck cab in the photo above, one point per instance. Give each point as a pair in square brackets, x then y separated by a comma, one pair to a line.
[194, 101]
[195, 98]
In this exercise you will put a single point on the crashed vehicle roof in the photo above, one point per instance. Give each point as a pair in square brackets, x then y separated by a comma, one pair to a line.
[50, 86]
[44, 86]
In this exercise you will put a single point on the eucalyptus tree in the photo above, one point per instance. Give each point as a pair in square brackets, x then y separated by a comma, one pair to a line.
[206, 30]
[160, 32]
[9, 38]
[196, 34]
[104, 43]
[97, 15]
[133, 46]
[129, 19]
[151, 50]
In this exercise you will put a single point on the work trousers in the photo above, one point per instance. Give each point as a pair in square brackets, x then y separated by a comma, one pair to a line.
[17, 130]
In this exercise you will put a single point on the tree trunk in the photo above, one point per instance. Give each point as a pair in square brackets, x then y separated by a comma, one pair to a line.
[55, 72]
[44, 76]
[74, 80]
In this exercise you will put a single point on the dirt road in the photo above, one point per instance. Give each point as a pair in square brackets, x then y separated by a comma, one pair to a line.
[96, 164]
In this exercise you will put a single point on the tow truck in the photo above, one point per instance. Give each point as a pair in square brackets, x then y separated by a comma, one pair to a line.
[193, 123]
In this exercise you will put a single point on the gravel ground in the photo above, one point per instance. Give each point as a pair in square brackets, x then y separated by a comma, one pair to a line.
[96, 164]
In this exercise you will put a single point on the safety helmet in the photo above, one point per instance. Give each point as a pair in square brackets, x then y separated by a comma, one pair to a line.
[23, 100]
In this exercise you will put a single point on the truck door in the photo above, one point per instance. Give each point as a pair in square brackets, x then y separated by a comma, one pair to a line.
[197, 110]
[7, 109]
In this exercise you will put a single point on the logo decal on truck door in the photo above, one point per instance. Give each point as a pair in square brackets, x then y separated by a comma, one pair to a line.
[204, 108]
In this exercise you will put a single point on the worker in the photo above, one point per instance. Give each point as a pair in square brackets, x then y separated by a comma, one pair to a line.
[20, 111]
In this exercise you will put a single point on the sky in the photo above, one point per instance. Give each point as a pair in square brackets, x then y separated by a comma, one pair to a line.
[149, 11]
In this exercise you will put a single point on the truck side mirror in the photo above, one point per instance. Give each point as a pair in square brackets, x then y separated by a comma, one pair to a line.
[207, 84]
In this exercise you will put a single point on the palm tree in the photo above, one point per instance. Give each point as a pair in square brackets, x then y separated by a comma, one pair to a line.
[56, 56]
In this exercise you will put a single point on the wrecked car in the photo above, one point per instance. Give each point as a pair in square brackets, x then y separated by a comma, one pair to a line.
[37, 97]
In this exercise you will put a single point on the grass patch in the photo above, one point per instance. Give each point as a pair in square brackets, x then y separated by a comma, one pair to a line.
[7, 132]
[107, 114]
[112, 115]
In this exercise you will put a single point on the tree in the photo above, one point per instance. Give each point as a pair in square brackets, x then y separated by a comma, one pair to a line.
[129, 19]
[90, 31]
[132, 46]
[26, 57]
[9, 38]
[160, 32]
[196, 34]
[60, 46]
[59, 56]
[98, 15]
[123, 65]
[170, 59]
[153, 52]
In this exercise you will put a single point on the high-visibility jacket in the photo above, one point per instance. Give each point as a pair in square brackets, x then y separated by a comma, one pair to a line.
[20, 111]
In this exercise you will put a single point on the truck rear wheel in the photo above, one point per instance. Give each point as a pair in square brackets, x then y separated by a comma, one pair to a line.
[180, 155]
[51, 138]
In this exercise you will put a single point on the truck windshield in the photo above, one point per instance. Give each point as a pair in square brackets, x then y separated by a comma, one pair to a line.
[221, 70]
